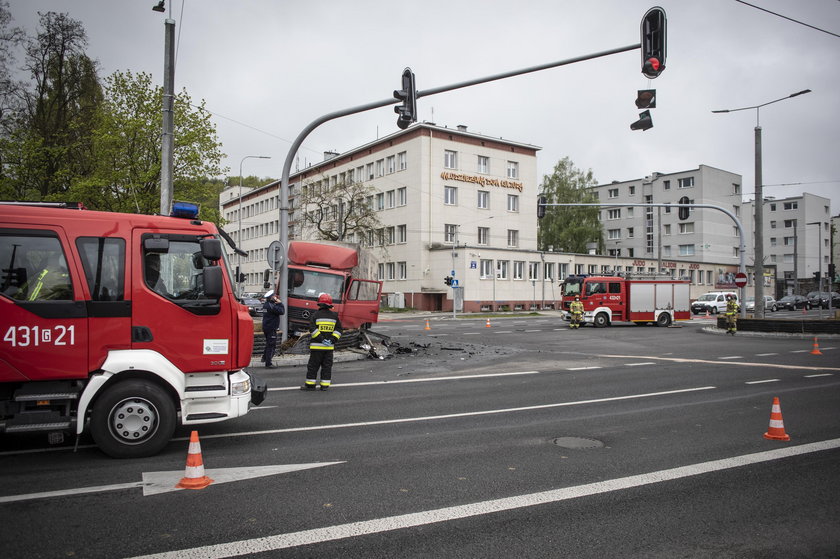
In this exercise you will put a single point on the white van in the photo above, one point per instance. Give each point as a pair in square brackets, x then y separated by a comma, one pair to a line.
[714, 302]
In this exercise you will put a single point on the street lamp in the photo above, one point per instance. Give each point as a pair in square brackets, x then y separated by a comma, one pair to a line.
[239, 225]
[167, 165]
[759, 204]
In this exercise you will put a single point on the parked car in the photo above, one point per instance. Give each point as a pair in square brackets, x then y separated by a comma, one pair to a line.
[769, 303]
[793, 302]
[820, 299]
[255, 306]
[714, 302]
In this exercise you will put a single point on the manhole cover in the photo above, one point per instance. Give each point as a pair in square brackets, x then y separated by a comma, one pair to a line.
[577, 442]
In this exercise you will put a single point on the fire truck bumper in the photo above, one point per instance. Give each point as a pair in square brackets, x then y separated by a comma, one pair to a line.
[259, 388]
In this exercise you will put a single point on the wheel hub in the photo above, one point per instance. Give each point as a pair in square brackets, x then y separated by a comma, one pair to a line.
[133, 420]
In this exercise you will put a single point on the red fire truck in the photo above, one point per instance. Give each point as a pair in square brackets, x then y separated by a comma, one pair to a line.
[608, 299]
[333, 268]
[125, 324]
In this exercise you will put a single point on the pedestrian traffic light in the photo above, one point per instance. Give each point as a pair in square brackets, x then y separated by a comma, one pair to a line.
[646, 99]
[684, 211]
[408, 95]
[447, 280]
[541, 207]
[644, 122]
[653, 31]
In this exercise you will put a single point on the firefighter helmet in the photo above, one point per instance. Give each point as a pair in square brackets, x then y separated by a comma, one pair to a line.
[325, 299]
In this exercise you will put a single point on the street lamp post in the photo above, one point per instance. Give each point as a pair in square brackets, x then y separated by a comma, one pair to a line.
[819, 263]
[239, 220]
[759, 204]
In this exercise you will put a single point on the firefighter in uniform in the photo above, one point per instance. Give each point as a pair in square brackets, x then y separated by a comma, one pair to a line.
[576, 309]
[731, 314]
[324, 333]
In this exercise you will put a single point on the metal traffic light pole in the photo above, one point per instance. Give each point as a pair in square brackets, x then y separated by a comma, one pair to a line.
[741, 251]
[283, 278]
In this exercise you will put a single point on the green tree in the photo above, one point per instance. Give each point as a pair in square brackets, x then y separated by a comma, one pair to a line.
[127, 144]
[569, 228]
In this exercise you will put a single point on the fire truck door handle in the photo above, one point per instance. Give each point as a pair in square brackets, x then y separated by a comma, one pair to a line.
[141, 334]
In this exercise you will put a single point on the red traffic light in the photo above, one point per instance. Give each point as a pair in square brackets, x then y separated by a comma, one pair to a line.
[654, 63]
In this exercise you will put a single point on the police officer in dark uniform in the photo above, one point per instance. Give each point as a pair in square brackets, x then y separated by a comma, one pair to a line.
[324, 333]
[273, 307]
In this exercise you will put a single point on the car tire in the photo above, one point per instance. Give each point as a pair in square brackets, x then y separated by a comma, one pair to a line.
[773, 308]
[714, 310]
[663, 320]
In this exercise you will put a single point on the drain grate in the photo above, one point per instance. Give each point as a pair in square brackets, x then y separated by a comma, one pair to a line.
[577, 442]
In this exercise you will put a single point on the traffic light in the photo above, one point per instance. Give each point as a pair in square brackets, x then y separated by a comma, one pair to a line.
[653, 31]
[684, 212]
[646, 99]
[240, 277]
[541, 207]
[408, 95]
[832, 272]
[817, 276]
[266, 277]
[644, 122]
[447, 280]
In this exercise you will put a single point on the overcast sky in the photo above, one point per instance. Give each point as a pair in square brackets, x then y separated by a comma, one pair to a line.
[267, 68]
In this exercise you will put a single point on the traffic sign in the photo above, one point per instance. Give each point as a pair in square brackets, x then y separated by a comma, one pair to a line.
[275, 255]
[740, 279]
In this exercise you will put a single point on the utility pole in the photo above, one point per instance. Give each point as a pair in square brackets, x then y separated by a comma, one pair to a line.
[167, 164]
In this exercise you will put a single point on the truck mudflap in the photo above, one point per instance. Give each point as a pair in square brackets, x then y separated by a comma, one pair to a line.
[259, 388]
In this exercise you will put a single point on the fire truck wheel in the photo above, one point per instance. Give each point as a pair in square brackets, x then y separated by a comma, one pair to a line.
[133, 419]
[600, 320]
[663, 320]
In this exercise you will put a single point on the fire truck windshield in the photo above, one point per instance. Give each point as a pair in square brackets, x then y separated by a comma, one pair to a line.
[571, 287]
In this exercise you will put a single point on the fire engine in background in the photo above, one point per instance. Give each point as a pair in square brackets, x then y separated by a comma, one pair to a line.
[608, 299]
[333, 268]
[124, 323]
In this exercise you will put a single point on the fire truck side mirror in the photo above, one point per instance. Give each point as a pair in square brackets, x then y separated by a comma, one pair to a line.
[211, 249]
[212, 277]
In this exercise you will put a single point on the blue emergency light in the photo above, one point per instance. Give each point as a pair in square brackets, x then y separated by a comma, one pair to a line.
[186, 210]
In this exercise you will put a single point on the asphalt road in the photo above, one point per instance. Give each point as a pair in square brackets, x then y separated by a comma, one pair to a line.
[522, 439]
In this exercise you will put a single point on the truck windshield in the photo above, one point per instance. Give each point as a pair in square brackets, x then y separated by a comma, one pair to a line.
[309, 284]
[571, 287]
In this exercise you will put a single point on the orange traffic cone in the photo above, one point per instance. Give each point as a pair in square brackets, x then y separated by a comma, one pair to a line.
[488, 324]
[816, 350]
[776, 431]
[194, 477]
[427, 325]
[707, 313]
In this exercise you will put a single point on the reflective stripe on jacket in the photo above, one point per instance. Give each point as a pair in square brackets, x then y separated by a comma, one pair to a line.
[324, 330]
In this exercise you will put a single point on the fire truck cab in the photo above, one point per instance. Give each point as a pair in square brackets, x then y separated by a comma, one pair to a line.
[608, 299]
[121, 323]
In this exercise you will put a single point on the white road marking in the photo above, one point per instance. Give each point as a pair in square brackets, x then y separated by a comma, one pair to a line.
[732, 357]
[503, 332]
[820, 375]
[425, 379]
[765, 354]
[581, 368]
[540, 330]
[155, 483]
[446, 514]
[470, 333]
[735, 363]
[799, 351]
[450, 415]
[642, 363]
[763, 381]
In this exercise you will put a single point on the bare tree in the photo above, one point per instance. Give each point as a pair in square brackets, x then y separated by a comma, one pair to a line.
[338, 212]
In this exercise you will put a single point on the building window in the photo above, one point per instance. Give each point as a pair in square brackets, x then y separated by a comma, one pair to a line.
[614, 213]
[533, 270]
[513, 238]
[686, 250]
[380, 168]
[483, 164]
[402, 196]
[791, 205]
[666, 229]
[401, 234]
[518, 269]
[512, 170]
[686, 228]
[772, 241]
[549, 271]
[380, 272]
[450, 159]
[369, 171]
[513, 202]
[380, 201]
[790, 223]
[687, 182]
[666, 251]
[390, 199]
[736, 188]
[666, 185]
[630, 233]
[483, 199]
[614, 234]
[772, 207]
[630, 212]
[486, 269]
[772, 225]
[632, 190]
[402, 270]
[612, 193]
[402, 163]
[389, 270]
[502, 269]
[450, 195]
[390, 235]
[484, 235]
[390, 164]
[789, 241]
[449, 232]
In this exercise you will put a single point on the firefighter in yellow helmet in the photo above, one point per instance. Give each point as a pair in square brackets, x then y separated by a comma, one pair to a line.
[731, 314]
[576, 310]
